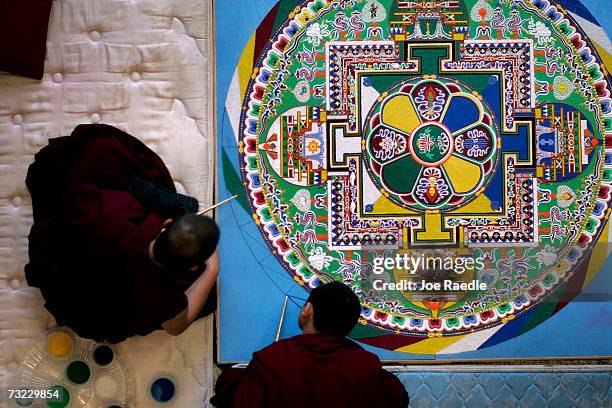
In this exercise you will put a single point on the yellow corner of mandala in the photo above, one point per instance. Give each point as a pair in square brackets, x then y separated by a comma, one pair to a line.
[458, 36]
[323, 116]
[539, 172]
[400, 37]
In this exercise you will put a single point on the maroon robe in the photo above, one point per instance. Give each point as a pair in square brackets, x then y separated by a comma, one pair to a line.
[89, 242]
[311, 370]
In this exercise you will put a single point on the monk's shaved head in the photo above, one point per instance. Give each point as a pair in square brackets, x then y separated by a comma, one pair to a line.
[187, 241]
[336, 308]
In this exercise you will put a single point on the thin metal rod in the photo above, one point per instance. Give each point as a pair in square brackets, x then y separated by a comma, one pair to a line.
[217, 205]
[282, 319]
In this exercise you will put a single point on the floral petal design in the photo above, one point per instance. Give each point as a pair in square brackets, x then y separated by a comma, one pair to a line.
[463, 174]
[476, 143]
[400, 175]
[386, 144]
[463, 111]
[430, 98]
[399, 113]
[433, 188]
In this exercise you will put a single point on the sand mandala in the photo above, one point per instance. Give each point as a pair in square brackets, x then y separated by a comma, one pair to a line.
[467, 128]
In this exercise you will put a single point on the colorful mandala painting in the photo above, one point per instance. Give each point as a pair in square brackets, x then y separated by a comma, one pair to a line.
[476, 129]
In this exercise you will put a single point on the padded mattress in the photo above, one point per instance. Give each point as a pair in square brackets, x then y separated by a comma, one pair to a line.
[146, 67]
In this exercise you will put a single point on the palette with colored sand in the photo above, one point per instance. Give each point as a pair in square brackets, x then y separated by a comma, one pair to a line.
[77, 372]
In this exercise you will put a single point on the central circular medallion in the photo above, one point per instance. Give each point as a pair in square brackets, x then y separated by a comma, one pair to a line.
[431, 144]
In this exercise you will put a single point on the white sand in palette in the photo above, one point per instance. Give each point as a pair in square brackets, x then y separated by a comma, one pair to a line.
[106, 387]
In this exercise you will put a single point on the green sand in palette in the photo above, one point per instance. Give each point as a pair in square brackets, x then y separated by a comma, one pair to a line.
[62, 400]
[78, 372]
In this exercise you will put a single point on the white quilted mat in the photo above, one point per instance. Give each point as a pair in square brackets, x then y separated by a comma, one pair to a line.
[145, 66]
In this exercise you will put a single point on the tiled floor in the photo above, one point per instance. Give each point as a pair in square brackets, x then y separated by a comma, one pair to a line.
[507, 386]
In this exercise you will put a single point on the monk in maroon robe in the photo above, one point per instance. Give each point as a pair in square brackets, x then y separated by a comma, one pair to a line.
[115, 251]
[319, 368]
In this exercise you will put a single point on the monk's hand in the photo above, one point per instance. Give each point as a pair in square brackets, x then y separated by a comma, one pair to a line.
[212, 263]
